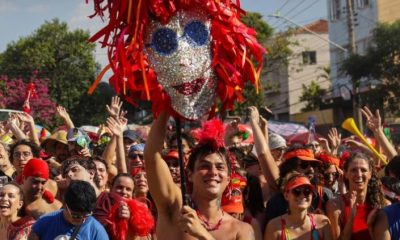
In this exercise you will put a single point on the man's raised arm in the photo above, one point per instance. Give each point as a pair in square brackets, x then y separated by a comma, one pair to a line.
[161, 185]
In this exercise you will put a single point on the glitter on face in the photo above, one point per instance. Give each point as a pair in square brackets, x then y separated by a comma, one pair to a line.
[180, 54]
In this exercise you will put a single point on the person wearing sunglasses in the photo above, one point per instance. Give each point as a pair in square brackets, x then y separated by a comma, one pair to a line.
[135, 156]
[332, 174]
[298, 223]
[302, 160]
[75, 221]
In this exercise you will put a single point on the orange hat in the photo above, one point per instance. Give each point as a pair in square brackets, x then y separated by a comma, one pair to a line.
[302, 153]
[36, 168]
[298, 181]
[233, 204]
[232, 200]
[326, 158]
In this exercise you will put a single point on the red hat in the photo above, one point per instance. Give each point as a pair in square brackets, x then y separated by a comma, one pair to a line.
[36, 168]
[172, 154]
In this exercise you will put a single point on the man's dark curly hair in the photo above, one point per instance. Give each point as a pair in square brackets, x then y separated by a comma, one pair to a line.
[34, 148]
[374, 196]
[80, 197]
[88, 164]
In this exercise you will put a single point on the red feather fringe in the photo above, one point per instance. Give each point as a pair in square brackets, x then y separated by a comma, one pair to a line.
[212, 132]
[141, 221]
[234, 44]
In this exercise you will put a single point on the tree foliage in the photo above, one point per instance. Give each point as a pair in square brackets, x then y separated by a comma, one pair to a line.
[64, 57]
[312, 95]
[13, 91]
[380, 62]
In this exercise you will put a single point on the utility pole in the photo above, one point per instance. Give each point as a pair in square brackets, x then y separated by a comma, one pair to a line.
[352, 50]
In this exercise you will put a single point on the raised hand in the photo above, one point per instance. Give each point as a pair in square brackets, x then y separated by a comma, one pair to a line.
[334, 138]
[373, 121]
[324, 143]
[62, 112]
[25, 117]
[254, 115]
[116, 126]
[115, 107]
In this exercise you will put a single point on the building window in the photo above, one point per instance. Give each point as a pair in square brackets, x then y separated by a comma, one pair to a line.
[309, 57]
[360, 3]
[335, 10]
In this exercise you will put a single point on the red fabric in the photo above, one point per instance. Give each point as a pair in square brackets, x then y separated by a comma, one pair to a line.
[36, 168]
[360, 227]
[233, 46]
[48, 196]
[26, 110]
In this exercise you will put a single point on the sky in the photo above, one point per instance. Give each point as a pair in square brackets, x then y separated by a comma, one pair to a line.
[19, 18]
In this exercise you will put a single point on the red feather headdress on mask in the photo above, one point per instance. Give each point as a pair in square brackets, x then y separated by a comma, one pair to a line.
[233, 47]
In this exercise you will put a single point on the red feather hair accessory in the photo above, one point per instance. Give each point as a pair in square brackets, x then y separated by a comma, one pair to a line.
[234, 47]
[212, 132]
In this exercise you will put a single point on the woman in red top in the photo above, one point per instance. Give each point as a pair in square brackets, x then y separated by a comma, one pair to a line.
[349, 213]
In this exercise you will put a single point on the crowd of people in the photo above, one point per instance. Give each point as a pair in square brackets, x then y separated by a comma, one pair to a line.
[240, 183]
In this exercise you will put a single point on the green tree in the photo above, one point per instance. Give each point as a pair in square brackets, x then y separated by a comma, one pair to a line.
[312, 95]
[64, 57]
[380, 62]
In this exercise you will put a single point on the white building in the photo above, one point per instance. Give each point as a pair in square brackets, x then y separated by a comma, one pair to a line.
[310, 56]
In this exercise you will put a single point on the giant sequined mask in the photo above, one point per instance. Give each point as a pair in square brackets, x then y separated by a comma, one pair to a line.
[180, 54]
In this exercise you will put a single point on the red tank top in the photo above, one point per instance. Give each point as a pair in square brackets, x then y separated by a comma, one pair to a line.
[360, 227]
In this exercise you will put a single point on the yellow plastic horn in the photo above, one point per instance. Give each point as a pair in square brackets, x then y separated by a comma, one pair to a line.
[350, 125]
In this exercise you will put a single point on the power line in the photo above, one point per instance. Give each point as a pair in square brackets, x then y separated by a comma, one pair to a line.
[293, 8]
[281, 7]
[302, 10]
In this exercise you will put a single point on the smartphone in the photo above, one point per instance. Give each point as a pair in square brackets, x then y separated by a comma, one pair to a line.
[266, 113]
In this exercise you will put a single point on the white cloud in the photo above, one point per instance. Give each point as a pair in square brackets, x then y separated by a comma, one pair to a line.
[7, 6]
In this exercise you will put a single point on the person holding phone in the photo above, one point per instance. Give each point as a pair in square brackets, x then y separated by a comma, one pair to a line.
[78, 142]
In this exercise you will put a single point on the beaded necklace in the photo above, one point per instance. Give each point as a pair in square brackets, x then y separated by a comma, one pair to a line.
[206, 224]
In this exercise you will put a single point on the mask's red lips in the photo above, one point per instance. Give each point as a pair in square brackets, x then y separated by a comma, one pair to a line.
[190, 87]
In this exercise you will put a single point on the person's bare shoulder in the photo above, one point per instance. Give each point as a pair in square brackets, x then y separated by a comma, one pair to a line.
[273, 228]
[245, 231]
[275, 223]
